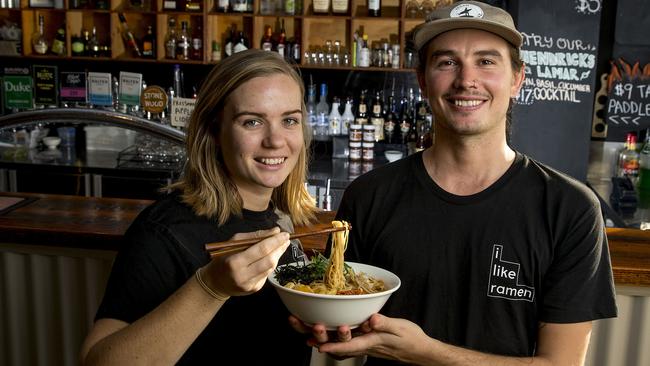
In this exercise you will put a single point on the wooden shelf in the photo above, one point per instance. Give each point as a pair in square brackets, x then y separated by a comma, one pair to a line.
[308, 28]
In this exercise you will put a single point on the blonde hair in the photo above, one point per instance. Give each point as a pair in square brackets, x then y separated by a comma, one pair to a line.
[205, 184]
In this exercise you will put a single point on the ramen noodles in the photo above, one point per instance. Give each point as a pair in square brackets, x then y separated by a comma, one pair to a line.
[338, 278]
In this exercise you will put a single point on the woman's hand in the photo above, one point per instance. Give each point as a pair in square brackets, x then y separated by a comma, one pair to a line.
[245, 272]
[320, 333]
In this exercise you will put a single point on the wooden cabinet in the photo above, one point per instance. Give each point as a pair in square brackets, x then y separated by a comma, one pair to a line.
[309, 29]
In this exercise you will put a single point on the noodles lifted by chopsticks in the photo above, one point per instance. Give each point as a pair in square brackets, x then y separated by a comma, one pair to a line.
[334, 276]
[338, 278]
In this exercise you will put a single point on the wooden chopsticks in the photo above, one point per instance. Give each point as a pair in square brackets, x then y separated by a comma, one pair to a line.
[231, 246]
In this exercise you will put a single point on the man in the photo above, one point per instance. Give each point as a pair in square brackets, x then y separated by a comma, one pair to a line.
[502, 259]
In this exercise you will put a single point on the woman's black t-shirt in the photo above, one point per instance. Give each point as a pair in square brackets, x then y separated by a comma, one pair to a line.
[163, 248]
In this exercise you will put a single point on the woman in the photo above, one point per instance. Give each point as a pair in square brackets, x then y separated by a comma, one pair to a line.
[166, 302]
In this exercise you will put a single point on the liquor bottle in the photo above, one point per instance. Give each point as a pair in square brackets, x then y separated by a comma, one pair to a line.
[282, 41]
[266, 43]
[39, 43]
[322, 112]
[374, 8]
[77, 45]
[86, 41]
[128, 36]
[321, 6]
[361, 118]
[149, 44]
[197, 43]
[644, 164]
[183, 43]
[311, 106]
[389, 119]
[340, 6]
[290, 7]
[420, 119]
[628, 159]
[295, 50]
[377, 118]
[347, 118]
[216, 51]
[230, 41]
[364, 53]
[335, 117]
[170, 39]
[93, 44]
[177, 85]
[223, 6]
[405, 121]
[58, 45]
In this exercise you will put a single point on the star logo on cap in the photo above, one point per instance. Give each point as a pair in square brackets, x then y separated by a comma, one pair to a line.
[466, 11]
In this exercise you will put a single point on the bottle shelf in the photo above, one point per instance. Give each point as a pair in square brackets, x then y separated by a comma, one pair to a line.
[307, 29]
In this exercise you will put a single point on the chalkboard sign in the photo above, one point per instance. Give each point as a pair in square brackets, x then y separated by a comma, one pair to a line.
[552, 118]
[628, 99]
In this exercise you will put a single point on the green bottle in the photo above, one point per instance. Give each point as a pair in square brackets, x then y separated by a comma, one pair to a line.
[58, 45]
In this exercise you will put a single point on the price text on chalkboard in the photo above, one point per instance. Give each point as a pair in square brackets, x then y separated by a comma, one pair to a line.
[628, 104]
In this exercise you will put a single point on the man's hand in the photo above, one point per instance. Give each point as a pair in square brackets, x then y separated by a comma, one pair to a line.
[379, 336]
[383, 337]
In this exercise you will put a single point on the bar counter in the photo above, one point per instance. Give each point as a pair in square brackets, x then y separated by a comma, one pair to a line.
[99, 223]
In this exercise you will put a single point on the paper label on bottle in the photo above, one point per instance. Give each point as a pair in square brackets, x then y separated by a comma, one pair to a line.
[379, 130]
[364, 57]
[340, 6]
[45, 85]
[154, 99]
[73, 86]
[239, 47]
[130, 88]
[17, 90]
[99, 88]
[321, 6]
[181, 111]
[40, 48]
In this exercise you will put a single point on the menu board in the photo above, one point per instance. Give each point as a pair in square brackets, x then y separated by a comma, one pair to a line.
[553, 112]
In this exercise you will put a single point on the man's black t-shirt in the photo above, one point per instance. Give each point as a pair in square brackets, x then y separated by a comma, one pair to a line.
[163, 248]
[481, 271]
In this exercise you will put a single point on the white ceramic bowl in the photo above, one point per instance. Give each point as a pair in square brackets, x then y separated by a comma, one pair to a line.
[335, 310]
[392, 155]
[51, 142]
